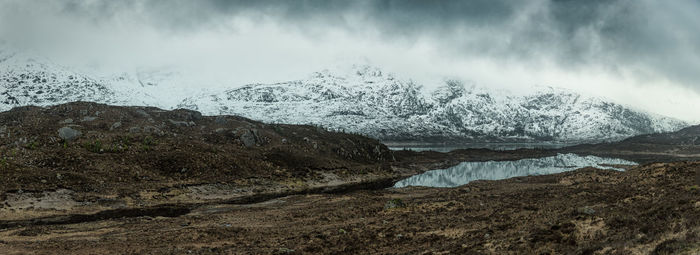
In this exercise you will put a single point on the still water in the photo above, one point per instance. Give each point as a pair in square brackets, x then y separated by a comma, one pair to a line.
[492, 146]
[466, 172]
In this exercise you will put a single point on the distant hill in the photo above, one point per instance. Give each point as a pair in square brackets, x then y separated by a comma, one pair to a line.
[680, 145]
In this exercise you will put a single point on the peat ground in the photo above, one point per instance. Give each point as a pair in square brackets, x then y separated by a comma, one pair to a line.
[88, 178]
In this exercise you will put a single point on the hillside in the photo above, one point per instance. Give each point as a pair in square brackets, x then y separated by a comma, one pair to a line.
[125, 150]
[683, 144]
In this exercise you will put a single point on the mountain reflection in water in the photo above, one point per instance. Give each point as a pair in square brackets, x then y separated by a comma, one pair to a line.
[466, 172]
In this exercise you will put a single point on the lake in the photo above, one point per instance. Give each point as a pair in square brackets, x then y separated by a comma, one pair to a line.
[466, 172]
[492, 146]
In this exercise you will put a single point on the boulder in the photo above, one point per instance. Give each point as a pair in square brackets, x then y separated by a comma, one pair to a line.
[88, 119]
[181, 123]
[250, 138]
[394, 203]
[68, 134]
[221, 120]
[585, 210]
[115, 125]
[153, 130]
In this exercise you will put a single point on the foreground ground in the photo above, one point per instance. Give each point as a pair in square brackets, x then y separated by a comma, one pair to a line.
[86, 178]
[651, 209]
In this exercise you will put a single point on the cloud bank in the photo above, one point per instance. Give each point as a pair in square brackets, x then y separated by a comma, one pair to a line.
[642, 53]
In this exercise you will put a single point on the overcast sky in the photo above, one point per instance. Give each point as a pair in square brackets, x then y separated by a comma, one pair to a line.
[643, 53]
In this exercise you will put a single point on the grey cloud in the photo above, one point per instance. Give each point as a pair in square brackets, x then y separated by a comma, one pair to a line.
[661, 36]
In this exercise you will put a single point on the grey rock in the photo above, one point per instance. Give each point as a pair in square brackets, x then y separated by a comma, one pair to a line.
[220, 130]
[585, 210]
[134, 129]
[21, 141]
[285, 250]
[394, 203]
[143, 113]
[180, 123]
[221, 120]
[68, 134]
[195, 115]
[250, 138]
[116, 125]
[153, 130]
[313, 143]
[66, 121]
[88, 118]
[187, 115]
[377, 150]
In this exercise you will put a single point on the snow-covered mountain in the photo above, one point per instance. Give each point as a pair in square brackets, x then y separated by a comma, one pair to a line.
[361, 99]
[29, 80]
[380, 105]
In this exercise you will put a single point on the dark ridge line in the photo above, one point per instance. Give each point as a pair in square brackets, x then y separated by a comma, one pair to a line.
[377, 184]
[164, 211]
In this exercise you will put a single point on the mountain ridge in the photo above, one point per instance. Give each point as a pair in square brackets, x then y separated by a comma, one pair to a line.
[387, 108]
[362, 99]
